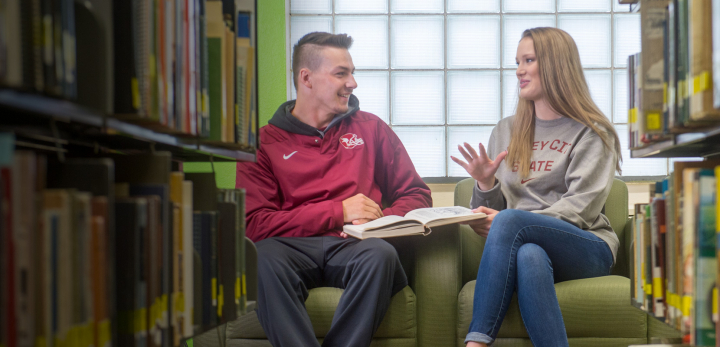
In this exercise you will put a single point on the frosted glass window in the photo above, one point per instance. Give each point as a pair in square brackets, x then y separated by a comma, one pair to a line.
[418, 97]
[364, 6]
[600, 85]
[311, 6]
[584, 5]
[592, 37]
[370, 39]
[417, 6]
[638, 166]
[510, 93]
[437, 92]
[525, 6]
[372, 91]
[627, 37]
[473, 6]
[473, 97]
[512, 33]
[621, 96]
[459, 135]
[417, 42]
[473, 42]
[426, 147]
[303, 25]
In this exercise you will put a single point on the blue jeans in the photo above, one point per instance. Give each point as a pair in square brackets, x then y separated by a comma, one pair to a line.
[528, 253]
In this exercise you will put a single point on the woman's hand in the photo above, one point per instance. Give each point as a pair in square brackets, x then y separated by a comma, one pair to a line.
[482, 226]
[480, 167]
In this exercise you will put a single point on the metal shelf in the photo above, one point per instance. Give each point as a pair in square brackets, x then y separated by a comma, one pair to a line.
[704, 143]
[111, 133]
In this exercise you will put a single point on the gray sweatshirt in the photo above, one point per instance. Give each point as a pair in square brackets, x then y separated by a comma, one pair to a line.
[570, 176]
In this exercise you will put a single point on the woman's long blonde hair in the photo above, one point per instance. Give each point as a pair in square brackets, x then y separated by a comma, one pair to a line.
[566, 92]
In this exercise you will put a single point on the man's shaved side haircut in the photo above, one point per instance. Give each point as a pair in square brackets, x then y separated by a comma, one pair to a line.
[307, 51]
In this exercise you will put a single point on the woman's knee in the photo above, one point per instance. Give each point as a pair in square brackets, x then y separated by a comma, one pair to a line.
[532, 256]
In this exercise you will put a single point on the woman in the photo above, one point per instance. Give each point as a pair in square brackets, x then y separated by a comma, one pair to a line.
[561, 156]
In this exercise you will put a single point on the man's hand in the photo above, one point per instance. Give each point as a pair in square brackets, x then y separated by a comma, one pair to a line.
[480, 166]
[482, 226]
[360, 209]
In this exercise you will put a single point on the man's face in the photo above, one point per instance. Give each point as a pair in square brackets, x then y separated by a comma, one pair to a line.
[333, 81]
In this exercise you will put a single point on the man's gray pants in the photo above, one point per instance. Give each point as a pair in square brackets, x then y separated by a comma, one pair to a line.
[369, 271]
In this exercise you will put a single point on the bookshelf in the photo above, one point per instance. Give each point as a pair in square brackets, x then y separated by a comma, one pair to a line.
[104, 240]
[674, 112]
[705, 143]
[90, 127]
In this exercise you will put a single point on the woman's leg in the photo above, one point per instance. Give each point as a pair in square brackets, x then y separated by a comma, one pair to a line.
[564, 243]
[538, 303]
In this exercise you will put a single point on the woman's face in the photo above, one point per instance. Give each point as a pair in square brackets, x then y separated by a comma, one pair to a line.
[528, 71]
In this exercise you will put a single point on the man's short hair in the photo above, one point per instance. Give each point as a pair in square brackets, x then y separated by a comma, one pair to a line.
[307, 51]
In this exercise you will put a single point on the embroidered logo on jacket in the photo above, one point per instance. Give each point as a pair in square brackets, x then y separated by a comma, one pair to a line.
[350, 141]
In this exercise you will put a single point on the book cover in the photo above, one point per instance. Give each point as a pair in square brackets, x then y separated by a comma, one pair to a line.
[227, 237]
[700, 60]
[162, 257]
[216, 74]
[187, 260]
[24, 213]
[705, 260]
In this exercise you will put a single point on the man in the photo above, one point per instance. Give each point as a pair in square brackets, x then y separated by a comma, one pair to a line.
[323, 163]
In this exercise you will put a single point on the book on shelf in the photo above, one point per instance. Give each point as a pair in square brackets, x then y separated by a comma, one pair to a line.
[700, 84]
[416, 222]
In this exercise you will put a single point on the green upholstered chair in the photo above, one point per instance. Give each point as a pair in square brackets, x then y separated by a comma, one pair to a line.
[436, 308]
[597, 311]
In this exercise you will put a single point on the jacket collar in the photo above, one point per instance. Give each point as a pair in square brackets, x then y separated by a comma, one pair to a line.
[284, 119]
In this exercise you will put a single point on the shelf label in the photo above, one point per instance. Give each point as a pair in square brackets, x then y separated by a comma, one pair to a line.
[687, 302]
[135, 88]
[654, 121]
[632, 115]
[221, 301]
[701, 82]
[213, 291]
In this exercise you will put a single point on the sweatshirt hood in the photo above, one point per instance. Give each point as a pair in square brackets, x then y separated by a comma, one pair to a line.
[284, 119]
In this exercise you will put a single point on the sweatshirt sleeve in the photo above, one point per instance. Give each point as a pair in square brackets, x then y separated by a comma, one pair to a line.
[588, 178]
[265, 218]
[492, 198]
[401, 186]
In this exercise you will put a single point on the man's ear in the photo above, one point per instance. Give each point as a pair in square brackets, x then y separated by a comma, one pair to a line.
[304, 77]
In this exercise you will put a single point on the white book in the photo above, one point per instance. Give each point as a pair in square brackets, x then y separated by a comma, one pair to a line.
[419, 221]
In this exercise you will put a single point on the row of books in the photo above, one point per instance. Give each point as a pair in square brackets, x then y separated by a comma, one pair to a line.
[118, 251]
[179, 66]
[674, 83]
[676, 239]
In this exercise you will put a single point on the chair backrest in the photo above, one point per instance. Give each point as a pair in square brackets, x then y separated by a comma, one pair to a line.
[616, 209]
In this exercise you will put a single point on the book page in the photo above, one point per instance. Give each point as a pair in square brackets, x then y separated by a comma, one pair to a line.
[429, 214]
[382, 222]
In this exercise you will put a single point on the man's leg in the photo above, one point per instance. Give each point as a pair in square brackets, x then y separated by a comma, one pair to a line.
[370, 272]
[287, 268]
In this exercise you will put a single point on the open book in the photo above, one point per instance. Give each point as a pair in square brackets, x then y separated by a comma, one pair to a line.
[418, 221]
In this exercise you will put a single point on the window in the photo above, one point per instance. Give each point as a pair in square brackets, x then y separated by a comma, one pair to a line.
[442, 72]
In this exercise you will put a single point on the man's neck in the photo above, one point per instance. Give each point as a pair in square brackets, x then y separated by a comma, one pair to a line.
[311, 115]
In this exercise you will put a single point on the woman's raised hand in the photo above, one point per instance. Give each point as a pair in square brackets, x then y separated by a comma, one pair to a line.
[480, 166]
